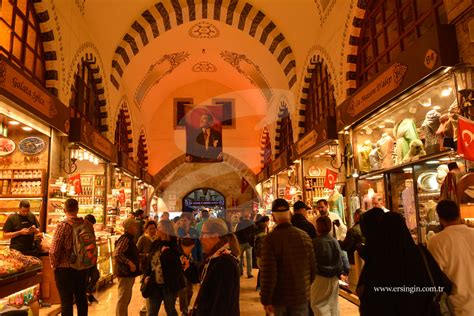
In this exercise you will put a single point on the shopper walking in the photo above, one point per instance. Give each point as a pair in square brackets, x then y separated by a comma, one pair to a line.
[93, 274]
[204, 218]
[185, 295]
[300, 221]
[260, 233]
[71, 276]
[288, 266]
[329, 266]
[22, 228]
[393, 260]
[144, 243]
[139, 217]
[353, 241]
[245, 232]
[127, 260]
[339, 229]
[453, 249]
[164, 271]
[220, 281]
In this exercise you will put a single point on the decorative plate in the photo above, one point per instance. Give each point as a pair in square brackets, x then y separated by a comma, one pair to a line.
[427, 181]
[314, 171]
[7, 146]
[31, 145]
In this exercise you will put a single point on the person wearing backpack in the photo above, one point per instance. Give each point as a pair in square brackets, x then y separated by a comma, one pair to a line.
[73, 251]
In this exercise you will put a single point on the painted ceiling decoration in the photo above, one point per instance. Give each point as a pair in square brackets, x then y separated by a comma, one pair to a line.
[204, 29]
[81, 4]
[324, 9]
[204, 66]
[166, 15]
[163, 67]
[250, 70]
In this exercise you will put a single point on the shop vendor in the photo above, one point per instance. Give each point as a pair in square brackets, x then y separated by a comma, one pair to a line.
[22, 228]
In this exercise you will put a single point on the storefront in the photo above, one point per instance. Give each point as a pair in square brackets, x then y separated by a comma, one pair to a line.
[403, 127]
[146, 196]
[31, 120]
[122, 202]
[284, 181]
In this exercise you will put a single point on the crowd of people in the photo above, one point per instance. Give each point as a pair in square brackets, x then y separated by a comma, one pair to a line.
[299, 262]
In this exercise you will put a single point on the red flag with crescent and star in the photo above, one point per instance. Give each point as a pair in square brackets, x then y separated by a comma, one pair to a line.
[466, 138]
[331, 179]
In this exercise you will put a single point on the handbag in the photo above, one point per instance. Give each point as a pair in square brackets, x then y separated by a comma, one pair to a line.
[145, 288]
[440, 306]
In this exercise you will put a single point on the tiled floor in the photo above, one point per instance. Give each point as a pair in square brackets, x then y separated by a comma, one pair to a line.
[249, 302]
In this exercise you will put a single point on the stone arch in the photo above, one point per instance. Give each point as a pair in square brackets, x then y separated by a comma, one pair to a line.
[168, 14]
[353, 47]
[283, 111]
[239, 167]
[303, 99]
[264, 141]
[83, 55]
[49, 45]
[143, 146]
[124, 111]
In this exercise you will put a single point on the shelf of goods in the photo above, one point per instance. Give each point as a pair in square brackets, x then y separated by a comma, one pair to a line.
[91, 200]
[117, 212]
[9, 205]
[20, 276]
[105, 260]
[315, 189]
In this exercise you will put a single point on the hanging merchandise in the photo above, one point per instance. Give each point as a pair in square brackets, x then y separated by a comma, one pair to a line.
[408, 197]
[430, 127]
[75, 180]
[466, 138]
[336, 204]
[405, 132]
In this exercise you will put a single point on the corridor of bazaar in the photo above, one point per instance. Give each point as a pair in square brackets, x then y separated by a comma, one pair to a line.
[236, 157]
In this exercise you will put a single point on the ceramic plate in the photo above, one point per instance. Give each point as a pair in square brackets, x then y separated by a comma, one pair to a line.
[427, 181]
[7, 146]
[314, 171]
[31, 145]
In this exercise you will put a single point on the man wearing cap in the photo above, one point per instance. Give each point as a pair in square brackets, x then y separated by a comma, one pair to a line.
[21, 228]
[299, 219]
[288, 266]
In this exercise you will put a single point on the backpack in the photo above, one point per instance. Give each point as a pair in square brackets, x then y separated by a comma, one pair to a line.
[84, 248]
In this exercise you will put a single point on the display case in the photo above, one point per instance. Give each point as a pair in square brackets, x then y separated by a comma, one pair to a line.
[417, 124]
[370, 187]
[104, 260]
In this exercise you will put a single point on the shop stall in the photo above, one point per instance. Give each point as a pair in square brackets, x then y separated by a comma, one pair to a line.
[145, 191]
[262, 192]
[30, 120]
[403, 127]
[121, 203]
[286, 177]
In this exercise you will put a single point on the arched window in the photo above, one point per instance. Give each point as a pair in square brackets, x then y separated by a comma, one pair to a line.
[20, 37]
[389, 28]
[321, 103]
[286, 130]
[142, 152]
[84, 97]
[122, 138]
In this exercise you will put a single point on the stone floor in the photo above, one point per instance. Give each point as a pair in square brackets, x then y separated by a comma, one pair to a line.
[249, 302]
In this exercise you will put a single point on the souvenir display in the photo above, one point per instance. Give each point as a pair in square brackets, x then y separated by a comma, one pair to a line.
[31, 145]
[13, 262]
[7, 146]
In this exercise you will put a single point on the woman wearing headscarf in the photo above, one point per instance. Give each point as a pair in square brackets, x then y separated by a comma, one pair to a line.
[164, 271]
[395, 262]
[220, 274]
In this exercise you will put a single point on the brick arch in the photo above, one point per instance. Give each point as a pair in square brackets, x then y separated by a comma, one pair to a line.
[239, 167]
[123, 117]
[353, 47]
[49, 41]
[283, 112]
[265, 146]
[168, 14]
[142, 149]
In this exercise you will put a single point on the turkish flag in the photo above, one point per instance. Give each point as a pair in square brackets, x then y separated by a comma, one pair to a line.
[466, 138]
[331, 179]
[243, 186]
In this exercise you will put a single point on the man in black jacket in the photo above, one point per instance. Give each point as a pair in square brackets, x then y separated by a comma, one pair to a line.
[353, 241]
[245, 232]
[299, 219]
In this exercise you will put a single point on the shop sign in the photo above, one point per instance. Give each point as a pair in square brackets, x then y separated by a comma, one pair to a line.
[280, 163]
[128, 164]
[262, 176]
[454, 8]
[32, 97]
[83, 132]
[146, 177]
[306, 143]
[375, 90]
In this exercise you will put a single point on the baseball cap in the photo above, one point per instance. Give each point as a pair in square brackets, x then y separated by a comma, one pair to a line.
[299, 205]
[280, 203]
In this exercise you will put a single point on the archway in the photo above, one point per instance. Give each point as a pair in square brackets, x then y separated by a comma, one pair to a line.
[206, 198]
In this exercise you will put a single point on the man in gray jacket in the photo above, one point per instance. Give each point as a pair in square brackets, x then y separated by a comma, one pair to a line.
[288, 266]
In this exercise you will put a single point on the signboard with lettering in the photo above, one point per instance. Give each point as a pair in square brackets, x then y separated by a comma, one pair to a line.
[32, 97]
[263, 175]
[280, 163]
[128, 164]
[146, 177]
[431, 52]
[84, 133]
[306, 143]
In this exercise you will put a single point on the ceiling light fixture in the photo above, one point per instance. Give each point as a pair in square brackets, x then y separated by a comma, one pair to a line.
[27, 128]
[436, 107]
[14, 123]
[446, 92]
[432, 162]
